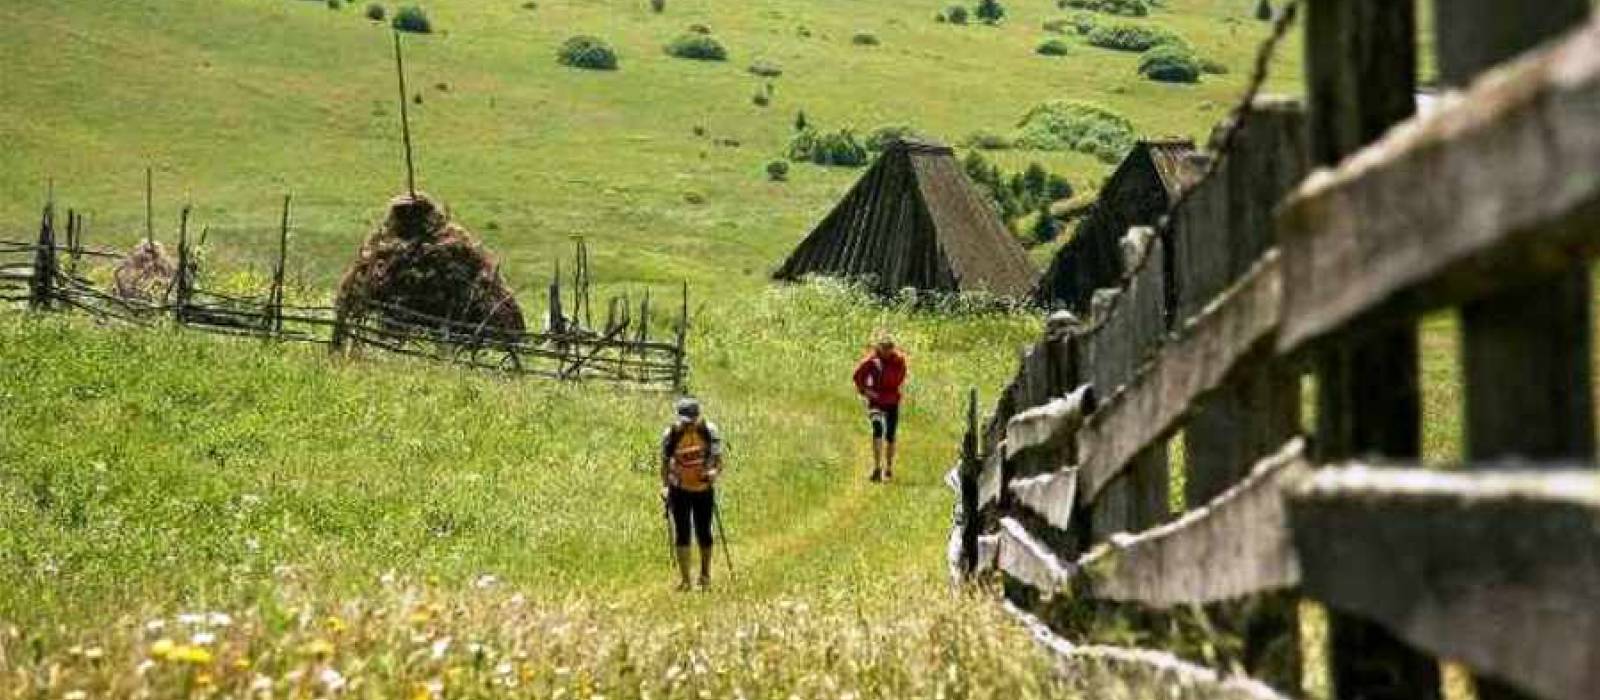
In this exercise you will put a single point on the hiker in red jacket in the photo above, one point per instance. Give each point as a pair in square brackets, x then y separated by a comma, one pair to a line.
[878, 379]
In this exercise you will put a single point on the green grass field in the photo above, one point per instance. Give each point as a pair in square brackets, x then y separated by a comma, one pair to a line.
[354, 516]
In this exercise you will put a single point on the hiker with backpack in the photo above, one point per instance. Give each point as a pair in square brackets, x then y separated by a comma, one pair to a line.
[691, 461]
[878, 378]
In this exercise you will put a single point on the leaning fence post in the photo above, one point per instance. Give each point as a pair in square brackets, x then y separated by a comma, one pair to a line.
[181, 283]
[678, 379]
[275, 313]
[1361, 80]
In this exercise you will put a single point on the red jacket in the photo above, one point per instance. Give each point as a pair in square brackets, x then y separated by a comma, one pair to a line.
[882, 375]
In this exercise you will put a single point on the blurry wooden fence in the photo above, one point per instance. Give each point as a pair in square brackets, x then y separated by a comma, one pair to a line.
[52, 274]
[1320, 236]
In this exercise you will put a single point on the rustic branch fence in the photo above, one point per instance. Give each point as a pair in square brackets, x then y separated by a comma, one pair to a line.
[566, 349]
[1265, 272]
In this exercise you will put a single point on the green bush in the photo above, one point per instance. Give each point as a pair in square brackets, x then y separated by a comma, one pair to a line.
[1170, 64]
[412, 18]
[1014, 196]
[957, 14]
[1045, 226]
[864, 39]
[840, 148]
[1084, 23]
[587, 52]
[1052, 47]
[766, 69]
[778, 170]
[881, 137]
[1067, 125]
[697, 47]
[658, 6]
[1126, 8]
[1264, 10]
[1132, 37]
[335, 4]
[988, 141]
[376, 12]
[990, 11]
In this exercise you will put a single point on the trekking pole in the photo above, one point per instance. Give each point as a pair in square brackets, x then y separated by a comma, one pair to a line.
[722, 533]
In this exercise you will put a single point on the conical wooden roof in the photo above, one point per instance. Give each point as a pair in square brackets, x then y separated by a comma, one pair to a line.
[915, 220]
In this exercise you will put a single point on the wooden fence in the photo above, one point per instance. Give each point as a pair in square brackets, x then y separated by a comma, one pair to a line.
[51, 274]
[1318, 238]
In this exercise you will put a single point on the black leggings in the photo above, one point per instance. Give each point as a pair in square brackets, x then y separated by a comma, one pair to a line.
[884, 427]
[691, 505]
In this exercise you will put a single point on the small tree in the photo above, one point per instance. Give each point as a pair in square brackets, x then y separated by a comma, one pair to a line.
[800, 123]
[990, 11]
[1264, 10]
[957, 14]
[376, 12]
[412, 18]
[1045, 228]
[658, 6]
[778, 170]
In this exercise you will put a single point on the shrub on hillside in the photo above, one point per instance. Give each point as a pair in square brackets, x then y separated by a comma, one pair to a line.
[766, 69]
[1264, 10]
[376, 12]
[658, 6]
[1126, 8]
[1132, 37]
[1084, 23]
[881, 137]
[700, 29]
[990, 11]
[778, 170]
[1014, 196]
[587, 52]
[1052, 47]
[1045, 227]
[1170, 64]
[988, 141]
[412, 18]
[697, 47]
[1061, 125]
[834, 148]
[335, 4]
[957, 14]
[864, 39]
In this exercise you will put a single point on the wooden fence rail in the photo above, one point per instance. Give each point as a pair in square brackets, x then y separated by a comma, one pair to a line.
[1264, 272]
[568, 350]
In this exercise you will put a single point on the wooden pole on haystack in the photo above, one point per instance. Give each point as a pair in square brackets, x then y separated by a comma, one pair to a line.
[276, 299]
[149, 206]
[405, 116]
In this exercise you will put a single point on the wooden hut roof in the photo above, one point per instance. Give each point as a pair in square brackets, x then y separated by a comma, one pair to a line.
[915, 220]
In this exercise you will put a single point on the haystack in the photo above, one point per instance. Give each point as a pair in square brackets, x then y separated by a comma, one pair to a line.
[145, 274]
[420, 261]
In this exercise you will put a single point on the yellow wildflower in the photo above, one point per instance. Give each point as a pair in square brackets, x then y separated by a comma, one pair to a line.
[189, 653]
[320, 648]
[336, 625]
[241, 664]
[161, 648]
[204, 680]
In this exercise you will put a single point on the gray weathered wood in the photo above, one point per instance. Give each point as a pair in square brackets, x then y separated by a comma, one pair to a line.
[1487, 192]
[1496, 569]
[1029, 562]
[1249, 416]
[1051, 425]
[1195, 361]
[1098, 671]
[1234, 546]
[1049, 496]
[989, 477]
[1135, 323]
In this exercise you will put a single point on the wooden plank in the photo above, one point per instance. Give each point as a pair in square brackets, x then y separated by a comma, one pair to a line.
[1234, 546]
[1049, 426]
[1496, 568]
[1049, 496]
[1488, 191]
[1029, 562]
[989, 477]
[1134, 325]
[1194, 362]
[1099, 671]
[1252, 414]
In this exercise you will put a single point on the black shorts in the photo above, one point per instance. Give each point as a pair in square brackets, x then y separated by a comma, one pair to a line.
[885, 421]
[691, 508]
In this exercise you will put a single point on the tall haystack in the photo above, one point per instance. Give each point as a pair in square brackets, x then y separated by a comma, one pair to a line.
[419, 261]
[915, 220]
[145, 274]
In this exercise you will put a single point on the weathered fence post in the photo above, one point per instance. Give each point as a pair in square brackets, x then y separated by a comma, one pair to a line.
[181, 283]
[971, 522]
[678, 379]
[1526, 353]
[275, 301]
[1361, 79]
[41, 286]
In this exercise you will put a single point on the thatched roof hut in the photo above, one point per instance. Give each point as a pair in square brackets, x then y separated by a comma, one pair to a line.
[1142, 189]
[915, 220]
[419, 261]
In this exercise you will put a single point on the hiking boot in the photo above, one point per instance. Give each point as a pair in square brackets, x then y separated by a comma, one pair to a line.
[705, 583]
[877, 476]
[888, 475]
